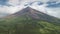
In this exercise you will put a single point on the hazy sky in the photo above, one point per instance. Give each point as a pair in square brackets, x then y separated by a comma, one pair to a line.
[11, 6]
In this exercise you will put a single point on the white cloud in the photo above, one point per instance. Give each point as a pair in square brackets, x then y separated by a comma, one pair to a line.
[19, 4]
[54, 12]
[10, 9]
[14, 2]
[41, 8]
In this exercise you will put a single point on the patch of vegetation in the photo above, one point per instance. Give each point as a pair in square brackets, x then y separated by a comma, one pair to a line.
[25, 25]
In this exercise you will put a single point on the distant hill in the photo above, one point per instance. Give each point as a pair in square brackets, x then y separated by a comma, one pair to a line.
[30, 21]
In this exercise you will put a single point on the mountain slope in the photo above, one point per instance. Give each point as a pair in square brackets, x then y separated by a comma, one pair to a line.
[24, 25]
[35, 14]
[29, 21]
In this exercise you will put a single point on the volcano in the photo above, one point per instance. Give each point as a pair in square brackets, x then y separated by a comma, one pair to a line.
[34, 14]
[30, 21]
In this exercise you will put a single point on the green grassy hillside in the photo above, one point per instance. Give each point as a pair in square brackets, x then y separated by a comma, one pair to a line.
[29, 21]
[27, 25]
